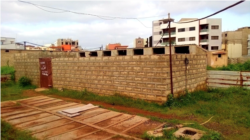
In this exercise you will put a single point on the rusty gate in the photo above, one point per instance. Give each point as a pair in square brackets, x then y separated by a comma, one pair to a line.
[45, 72]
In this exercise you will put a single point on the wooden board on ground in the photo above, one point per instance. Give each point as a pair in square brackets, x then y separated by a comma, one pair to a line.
[39, 115]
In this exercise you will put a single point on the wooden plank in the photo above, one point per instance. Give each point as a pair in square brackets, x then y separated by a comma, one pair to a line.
[29, 118]
[100, 135]
[32, 99]
[214, 72]
[223, 77]
[114, 120]
[22, 115]
[61, 106]
[40, 101]
[246, 83]
[247, 74]
[91, 125]
[48, 126]
[69, 115]
[246, 78]
[11, 109]
[74, 134]
[60, 109]
[7, 104]
[16, 112]
[47, 102]
[101, 117]
[57, 130]
[218, 85]
[91, 113]
[79, 109]
[127, 124]
[38, 121]
[223, 81]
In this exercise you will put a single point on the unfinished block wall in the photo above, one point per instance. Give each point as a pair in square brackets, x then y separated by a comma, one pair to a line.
[145, 77]
[27, 64]
[138, 76]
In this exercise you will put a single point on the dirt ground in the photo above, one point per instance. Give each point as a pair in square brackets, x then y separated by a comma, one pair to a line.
[224, 129]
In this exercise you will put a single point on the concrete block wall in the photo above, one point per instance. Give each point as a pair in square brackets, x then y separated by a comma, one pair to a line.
[8, 56]
[146, 76]
[238, 60]
[139, 76]
[27, 64]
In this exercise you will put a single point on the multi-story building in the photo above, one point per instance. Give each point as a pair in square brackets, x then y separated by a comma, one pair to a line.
[205, 33]
[237, 38]
[139, 42]
[9, 43]
[73, 43]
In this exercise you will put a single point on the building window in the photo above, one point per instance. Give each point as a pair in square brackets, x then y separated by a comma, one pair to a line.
[225, 35]
[160, 32]
[191, 38]
[181, 30]
[215, 26]
[139, 42]
[214, 48]
[2, 42]
[219, 55]
[181, 39]
[160, 23]
[191, 28]
[62, 43]
[214, 37]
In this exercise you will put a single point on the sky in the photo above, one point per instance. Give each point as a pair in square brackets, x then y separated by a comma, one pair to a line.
[26, 22]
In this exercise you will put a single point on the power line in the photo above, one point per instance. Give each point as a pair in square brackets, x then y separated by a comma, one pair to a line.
[63, 10]
[213, 13]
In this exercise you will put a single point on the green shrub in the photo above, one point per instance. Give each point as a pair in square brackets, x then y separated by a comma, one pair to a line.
[24, 81]
[233, 67]
[8, 70]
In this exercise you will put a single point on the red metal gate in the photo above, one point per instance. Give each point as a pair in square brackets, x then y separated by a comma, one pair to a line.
[45, 72]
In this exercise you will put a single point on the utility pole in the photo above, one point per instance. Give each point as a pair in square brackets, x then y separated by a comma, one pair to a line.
[24, 43]
[170, 52]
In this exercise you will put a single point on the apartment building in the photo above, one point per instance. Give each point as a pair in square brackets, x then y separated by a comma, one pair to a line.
[9, 43]
[139, 42]
[238, 38]
[72, 43]
[205, 33]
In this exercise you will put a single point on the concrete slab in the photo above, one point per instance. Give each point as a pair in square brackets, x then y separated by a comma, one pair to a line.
[100, 135]
[101, 117]
[29, 118]
[190, 133]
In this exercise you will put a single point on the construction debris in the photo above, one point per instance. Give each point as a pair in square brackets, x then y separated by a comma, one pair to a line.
[79, 109]
[190, 133]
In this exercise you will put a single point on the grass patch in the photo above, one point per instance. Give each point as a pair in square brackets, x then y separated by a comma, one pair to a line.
[8, 70]
[12, 91]
[233, 67]
[8, 132]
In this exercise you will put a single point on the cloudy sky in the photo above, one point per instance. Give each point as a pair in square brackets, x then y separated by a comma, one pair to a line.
[26, 22]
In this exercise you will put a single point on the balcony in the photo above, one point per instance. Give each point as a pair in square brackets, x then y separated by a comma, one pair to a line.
[167, 43]
[204, 40]
[204, 30]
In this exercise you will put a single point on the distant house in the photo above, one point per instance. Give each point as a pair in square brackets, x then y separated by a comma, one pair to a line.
[30, 47]
[116, 46]
[9, 43]
[139, 42]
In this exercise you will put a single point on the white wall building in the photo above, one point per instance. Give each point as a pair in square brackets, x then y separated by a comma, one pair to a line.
[206, 33]
[9, 43]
